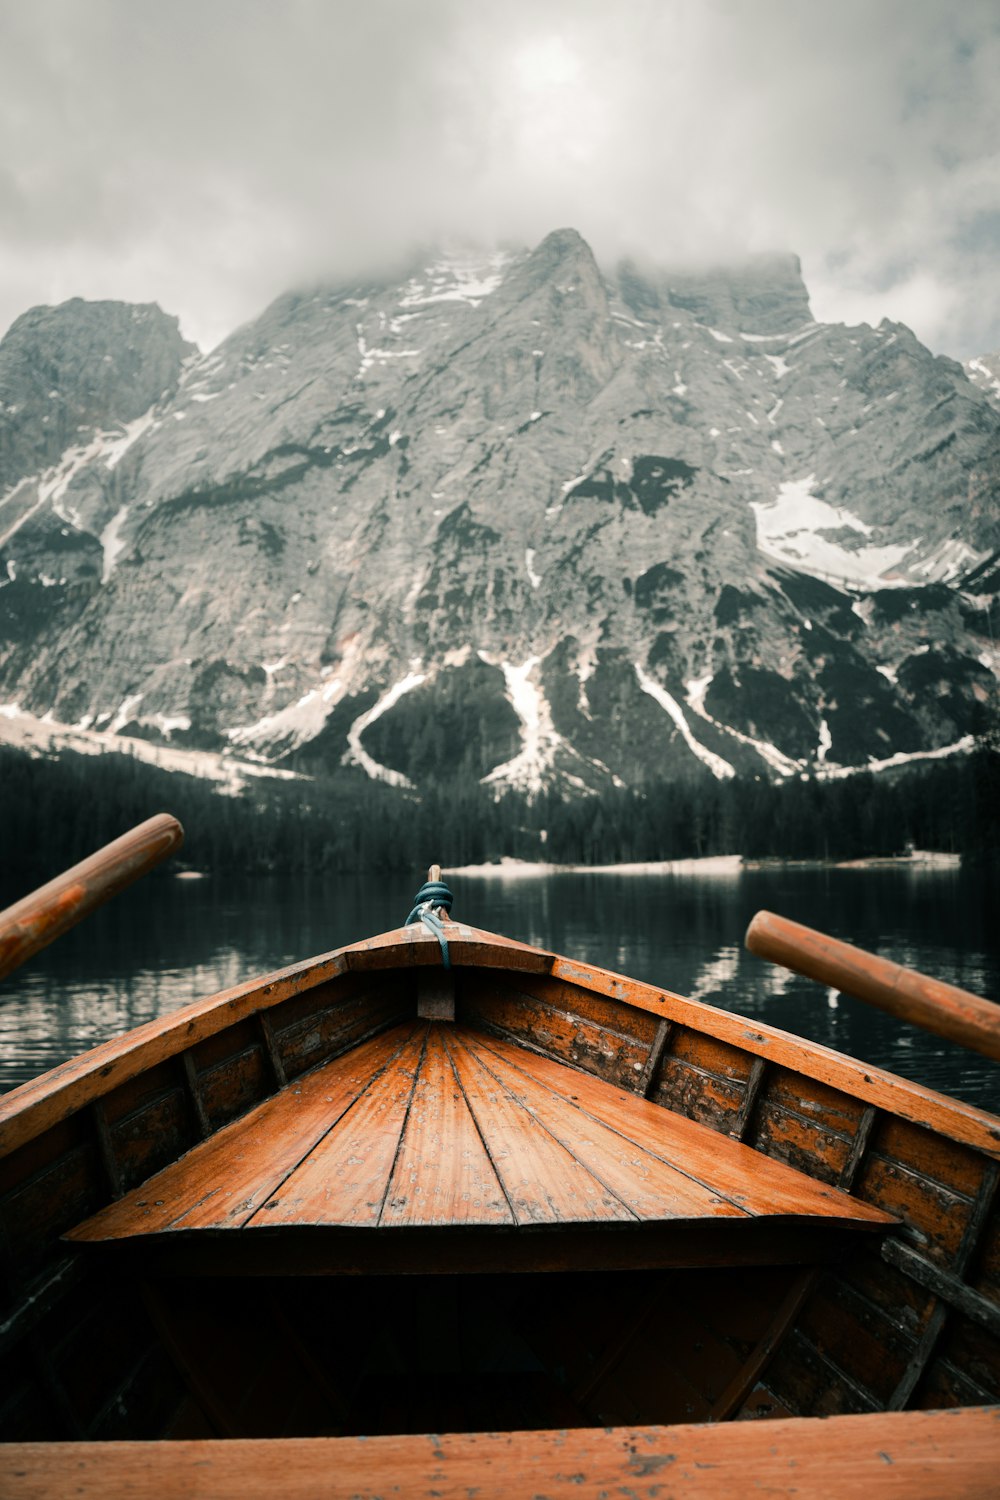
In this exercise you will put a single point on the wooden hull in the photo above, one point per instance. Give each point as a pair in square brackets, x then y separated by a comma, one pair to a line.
[139, 1347]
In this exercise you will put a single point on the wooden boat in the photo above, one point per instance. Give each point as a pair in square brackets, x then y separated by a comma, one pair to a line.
[442, 1213]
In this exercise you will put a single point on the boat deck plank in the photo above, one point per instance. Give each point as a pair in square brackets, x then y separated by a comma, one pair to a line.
[647, 1185]
[344, 1178]
[542, 1179]
[900, 1456]
[756, 1183]
[223, 1181]
[442, 1174]
[432, 1124]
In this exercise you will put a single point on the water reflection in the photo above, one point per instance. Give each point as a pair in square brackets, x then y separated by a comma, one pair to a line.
[167, 942]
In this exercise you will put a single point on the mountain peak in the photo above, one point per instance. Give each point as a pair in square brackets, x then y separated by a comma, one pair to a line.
[65, 370]
[763, 295]
[595, 528]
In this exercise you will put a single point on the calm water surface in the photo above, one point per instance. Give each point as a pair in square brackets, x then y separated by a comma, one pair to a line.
[169, 941]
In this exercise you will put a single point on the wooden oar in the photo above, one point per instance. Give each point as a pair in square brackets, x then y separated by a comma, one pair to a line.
[938, 1007]
[32, 923]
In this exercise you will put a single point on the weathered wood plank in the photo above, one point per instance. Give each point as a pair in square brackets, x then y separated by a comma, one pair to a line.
[190, 1075]
[650, 1187]
[862, 1137]
[795, 1137]
[223, 1181]
[700, 1096]
[107, 1150]
[753, 1182]
[568, 1034]
[436, 995]
[961, 1122]
[951, 1288]
[572, 1000]
[855, 1337]
[343, 1179]
[542, 1180]
[443, 1173]
[970, 1239]
[661, 1040]
[905, 1456]
[810, 1384]
[732, 1397]
[754, 1084]
[271, 1049]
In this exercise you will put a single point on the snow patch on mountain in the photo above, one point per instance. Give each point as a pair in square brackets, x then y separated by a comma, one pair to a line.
[539, 739]
[985, 372]
[964, 746]
[694, 693]
[114, 448]
[795, 529]
[50, 487]
[374, 356]
[948, 560]
[825, 742]
[45, 736]
[112, 543]
[125, 713]
[456, 279]
[358, 755]
[719, 768]
[294, 724]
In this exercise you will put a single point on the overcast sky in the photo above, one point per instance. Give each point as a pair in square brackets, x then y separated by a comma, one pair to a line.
[209, 155]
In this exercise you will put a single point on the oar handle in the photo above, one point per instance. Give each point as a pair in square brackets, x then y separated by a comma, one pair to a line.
[32, 923]
[938, 1007]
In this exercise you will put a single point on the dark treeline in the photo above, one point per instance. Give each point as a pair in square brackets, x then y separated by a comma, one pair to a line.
[55, 811]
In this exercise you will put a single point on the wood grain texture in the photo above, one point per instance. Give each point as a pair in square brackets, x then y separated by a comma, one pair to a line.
[941, 1008]
[644, 1182]
[220, 1183]
[754, 1183]
[344, 1178]
[431, 1125]
[442, 1174]
[542, 1180]
[38, 919]
[904, 1456]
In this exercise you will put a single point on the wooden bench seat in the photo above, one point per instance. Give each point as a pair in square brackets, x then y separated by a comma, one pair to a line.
[910, 1455]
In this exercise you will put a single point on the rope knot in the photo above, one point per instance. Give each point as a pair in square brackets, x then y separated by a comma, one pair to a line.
[432, 897]
[431, 894]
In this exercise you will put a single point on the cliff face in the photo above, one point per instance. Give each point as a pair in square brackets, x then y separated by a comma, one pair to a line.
[66, 372]
[515, 514]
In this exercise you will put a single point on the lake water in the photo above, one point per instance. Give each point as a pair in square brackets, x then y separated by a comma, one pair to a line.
[168, 941]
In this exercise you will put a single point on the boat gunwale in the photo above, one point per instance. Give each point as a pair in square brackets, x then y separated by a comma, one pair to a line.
[33, 1107]
[915, 1454]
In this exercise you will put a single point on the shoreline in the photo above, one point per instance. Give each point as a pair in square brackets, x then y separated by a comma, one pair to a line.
[724, 866]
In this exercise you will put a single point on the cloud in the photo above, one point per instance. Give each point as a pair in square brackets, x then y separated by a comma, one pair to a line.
[209, 155]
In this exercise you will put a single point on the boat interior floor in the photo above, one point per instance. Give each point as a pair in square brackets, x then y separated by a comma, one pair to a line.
[475, 1153]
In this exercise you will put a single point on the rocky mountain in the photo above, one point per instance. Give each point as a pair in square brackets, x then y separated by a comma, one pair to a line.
[513, 516]
[985, 372]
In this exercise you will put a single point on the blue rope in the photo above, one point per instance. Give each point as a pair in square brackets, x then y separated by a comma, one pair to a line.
[432, 893]
[432, 897]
